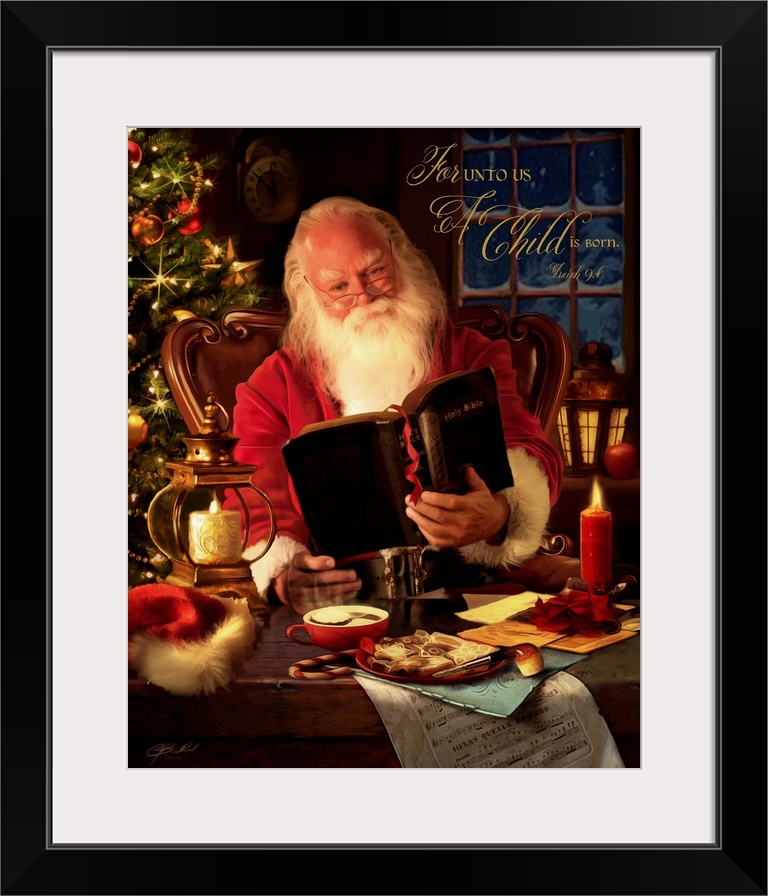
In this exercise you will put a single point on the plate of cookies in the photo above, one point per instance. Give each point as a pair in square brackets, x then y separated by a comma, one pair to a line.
[425, 656]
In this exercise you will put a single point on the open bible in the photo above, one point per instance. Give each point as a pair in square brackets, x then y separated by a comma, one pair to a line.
[351, 474]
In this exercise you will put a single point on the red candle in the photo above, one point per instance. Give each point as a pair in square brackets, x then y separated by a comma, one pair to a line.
[595, 533]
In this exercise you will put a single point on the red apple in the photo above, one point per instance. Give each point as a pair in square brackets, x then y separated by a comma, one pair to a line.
[621, 460]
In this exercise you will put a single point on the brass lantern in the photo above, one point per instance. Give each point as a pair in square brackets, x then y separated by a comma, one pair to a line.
[198, 485]
[594, 411]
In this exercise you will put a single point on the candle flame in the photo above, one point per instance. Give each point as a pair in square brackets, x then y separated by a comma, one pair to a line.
[597, 496]
[215, 506]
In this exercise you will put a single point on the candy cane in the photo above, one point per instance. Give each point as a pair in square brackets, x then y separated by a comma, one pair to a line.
[317, 662]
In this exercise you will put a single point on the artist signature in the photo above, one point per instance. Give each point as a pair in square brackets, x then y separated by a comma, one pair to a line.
[170, 750]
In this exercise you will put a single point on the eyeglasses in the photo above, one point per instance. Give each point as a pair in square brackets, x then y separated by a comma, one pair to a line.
[377, 287]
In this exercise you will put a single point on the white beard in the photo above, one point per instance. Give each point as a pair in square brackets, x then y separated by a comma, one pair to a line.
[376, 355]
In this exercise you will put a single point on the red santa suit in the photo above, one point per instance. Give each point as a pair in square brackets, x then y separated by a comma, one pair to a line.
[281, 397]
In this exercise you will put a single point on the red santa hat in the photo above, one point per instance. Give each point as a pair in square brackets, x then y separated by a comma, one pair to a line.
[186, 641]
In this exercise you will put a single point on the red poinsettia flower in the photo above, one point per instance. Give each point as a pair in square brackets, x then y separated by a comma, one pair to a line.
[575, 613]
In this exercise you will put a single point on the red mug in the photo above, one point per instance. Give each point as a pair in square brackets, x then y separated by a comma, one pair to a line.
[340, 628]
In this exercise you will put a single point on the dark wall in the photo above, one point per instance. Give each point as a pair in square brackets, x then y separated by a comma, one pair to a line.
[370, 164]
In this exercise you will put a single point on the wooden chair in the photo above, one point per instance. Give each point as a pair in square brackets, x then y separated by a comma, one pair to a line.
[200, 355]
[541, 356]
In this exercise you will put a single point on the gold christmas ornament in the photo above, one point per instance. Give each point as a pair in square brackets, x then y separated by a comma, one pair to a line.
[137, 430]
[240, 272]
[183, 314]
[131, 341]
[147, 230]
[212, 261]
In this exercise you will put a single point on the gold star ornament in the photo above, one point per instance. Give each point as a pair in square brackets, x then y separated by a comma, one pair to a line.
[240, 272]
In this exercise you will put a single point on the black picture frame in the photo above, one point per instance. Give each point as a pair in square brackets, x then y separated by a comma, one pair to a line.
[736, 862]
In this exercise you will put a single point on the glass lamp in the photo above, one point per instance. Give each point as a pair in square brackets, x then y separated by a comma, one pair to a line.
[594, 411]
[186, 522]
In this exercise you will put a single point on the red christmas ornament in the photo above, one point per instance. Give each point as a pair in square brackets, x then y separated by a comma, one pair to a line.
[134, 153]
[192, 226]
[194, 222]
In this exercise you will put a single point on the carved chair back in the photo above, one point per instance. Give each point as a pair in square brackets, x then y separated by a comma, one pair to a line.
[200, 355]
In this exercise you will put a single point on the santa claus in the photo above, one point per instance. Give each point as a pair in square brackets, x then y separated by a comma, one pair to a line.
[368, 322]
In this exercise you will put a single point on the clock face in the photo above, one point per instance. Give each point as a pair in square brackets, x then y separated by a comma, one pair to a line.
[271, 189]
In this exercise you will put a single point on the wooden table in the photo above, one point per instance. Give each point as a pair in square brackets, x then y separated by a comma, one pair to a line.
[265, 719]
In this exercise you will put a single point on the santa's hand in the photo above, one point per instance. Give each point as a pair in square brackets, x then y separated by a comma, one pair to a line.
[310, 582]
[452, 521]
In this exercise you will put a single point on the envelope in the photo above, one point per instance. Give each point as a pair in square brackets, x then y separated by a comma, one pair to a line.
[500, 609]
[502, 629]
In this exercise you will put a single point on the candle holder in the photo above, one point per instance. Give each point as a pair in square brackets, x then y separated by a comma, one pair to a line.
[598, 589]
[622, 588]
[200, 481]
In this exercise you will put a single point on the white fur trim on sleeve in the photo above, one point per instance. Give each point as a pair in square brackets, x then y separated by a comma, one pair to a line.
[188, 668]
[528, 501]
[277, 558]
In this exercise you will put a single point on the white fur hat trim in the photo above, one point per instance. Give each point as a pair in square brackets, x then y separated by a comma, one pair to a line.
[189, 668]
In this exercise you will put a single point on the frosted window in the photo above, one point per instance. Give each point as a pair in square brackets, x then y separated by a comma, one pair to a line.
[601, 251]
[480, 273]
[559, 171]
[556, 308]
[599, 173]
[549, 168]
[600, 320]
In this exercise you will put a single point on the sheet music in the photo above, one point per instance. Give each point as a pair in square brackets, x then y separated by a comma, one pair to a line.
[558, 726]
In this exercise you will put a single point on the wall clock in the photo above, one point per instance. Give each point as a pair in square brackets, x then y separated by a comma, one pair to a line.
[269, 182]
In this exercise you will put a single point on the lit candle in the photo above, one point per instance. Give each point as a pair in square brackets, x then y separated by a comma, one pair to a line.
[214, 535]
[595, 531]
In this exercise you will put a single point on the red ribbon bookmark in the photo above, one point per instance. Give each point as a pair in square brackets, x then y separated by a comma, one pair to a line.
[410, 473]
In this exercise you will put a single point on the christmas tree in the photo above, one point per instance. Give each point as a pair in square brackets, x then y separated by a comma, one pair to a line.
[177, 267]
